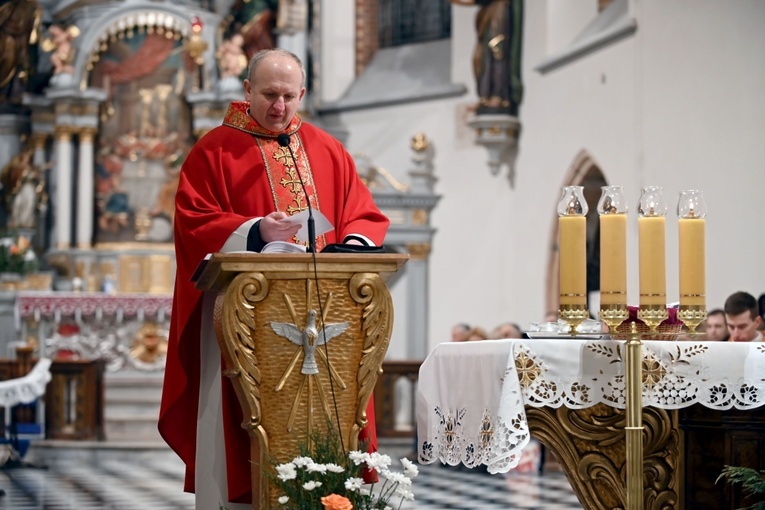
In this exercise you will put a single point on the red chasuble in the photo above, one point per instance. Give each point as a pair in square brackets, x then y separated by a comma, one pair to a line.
[235, 173]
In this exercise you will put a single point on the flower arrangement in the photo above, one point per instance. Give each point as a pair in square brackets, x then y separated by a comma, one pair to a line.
[16, 255]
[326, 479]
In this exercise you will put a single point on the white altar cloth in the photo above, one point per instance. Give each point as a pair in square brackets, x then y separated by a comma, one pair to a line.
[471, 395]
[28, 388]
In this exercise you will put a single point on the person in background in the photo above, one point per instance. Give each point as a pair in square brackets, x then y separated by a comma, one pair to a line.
[742, 317]
[477, 333]
[716, 328]
[460, 332]
[506, 330]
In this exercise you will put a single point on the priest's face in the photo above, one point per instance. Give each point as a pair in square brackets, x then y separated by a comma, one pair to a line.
[274, 90]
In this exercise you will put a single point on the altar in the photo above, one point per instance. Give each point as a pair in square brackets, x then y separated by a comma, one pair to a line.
[479, 402]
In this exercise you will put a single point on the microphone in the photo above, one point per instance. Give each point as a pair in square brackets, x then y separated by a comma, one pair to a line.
[284, 141]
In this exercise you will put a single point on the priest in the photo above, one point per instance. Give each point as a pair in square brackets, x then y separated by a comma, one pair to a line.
[237, 187]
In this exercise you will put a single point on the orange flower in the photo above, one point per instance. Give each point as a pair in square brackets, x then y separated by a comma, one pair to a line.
[14, 249]
[336, 502]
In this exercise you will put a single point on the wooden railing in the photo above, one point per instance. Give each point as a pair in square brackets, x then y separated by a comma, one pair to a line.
[387, 405]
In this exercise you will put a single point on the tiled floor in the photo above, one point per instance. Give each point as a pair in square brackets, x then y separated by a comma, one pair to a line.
[154, 482]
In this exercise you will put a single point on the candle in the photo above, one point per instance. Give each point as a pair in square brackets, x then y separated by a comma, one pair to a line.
[692, 277]
[652, 264]
[572, 243]
[691, 209]
[613, 259]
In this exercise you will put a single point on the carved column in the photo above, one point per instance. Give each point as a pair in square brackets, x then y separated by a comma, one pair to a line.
[85, 189]
[63, 219]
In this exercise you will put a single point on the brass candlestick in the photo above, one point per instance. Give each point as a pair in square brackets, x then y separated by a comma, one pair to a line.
[573, 315]
[692, 316]
[652, 315]
[613, 315]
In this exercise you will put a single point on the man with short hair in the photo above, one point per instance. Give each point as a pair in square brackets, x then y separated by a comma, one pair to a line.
[717, 329]
[743, 318]
[237, 190]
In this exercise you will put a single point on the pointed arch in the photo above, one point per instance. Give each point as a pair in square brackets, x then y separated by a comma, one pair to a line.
[584, 171]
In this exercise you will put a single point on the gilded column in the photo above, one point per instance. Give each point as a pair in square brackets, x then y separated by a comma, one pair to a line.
[63, 207]
[85, 189]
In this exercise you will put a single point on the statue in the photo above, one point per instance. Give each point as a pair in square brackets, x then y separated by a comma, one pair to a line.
[24, 187]
[255, 20]
[18, 30]
[231, 58]
[60, 43]
[497, 56]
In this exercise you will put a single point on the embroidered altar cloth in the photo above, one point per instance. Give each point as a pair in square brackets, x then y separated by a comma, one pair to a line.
[471, 395]
[28, 388]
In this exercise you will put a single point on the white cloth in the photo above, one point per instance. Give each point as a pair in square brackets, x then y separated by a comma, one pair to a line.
[24, 390]
[471, 395]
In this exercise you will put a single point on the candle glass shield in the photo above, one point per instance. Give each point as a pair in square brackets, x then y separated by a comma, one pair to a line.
[612, 209]
[652, 209]
[572, 245]
[691, 213]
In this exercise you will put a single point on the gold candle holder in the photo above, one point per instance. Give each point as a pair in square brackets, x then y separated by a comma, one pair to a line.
[652, 315]
[652, 209]
[613, 316]
[692, 316]
[612, 209]
[572, 249]
[691, 212]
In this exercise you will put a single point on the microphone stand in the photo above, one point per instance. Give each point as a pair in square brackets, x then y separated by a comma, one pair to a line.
[284, 141]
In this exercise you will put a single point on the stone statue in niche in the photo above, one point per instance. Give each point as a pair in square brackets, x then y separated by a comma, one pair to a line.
[497, 55]
[24, 189]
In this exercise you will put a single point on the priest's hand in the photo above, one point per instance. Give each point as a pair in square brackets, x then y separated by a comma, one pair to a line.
[273, 227]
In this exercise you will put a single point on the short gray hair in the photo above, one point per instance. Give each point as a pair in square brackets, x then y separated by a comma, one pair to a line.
[262, 55]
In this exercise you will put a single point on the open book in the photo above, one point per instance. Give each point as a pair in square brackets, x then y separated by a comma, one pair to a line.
[283, 247]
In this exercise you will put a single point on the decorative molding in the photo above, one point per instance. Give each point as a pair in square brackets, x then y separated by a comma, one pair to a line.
[418, 251]
[63, 133]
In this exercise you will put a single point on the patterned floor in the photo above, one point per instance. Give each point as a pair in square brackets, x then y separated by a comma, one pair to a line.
[153, 482]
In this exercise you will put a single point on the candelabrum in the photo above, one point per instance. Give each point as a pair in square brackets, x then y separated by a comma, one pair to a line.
[612, 210]
[572, 245]
[652, 209]
[691, 213]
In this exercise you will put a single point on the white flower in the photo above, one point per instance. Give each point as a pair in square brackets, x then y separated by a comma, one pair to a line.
[358, 457]
[334, 468]
[286, 472]
[395, 477]
[302, 461]
[405, 493]
[283, 500]
[378, 461]
[312, 467]
[354, 484]
[309, 486]
[410, 469]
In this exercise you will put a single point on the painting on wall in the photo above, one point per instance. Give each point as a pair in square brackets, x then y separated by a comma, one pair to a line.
[144, 135]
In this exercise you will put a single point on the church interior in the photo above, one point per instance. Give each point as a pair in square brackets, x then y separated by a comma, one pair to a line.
[465, 119]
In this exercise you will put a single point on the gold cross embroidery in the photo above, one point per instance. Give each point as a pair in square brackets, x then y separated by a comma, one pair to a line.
[282, 155]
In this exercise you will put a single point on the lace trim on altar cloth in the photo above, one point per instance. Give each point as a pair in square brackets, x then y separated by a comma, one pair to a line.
[675, 376]
[24, 390]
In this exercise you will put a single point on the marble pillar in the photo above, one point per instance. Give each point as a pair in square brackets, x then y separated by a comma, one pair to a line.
[85, 189]
[63, 194]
